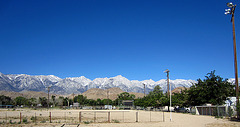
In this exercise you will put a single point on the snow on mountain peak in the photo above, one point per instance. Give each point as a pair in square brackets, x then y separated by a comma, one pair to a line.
[82, 84]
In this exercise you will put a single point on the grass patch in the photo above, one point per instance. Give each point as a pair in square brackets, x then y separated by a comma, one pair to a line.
[87, 122]
[25, 120]
[116, 121]
[43, 121]
[10, 121]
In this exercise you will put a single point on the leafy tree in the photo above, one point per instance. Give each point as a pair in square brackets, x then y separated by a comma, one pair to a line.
[80, 99]
[180, 99]
[53, 100]
[32, 102]
[60, 101]
[91, 102]
[126, 96]
[21, 101]
[43, 101]
[99, 102]
[212, 90]
[66, 101]
[4, 100]
[155, 98]
[107, 101]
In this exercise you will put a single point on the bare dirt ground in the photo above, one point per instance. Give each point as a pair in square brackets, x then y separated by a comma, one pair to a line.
[99, 118]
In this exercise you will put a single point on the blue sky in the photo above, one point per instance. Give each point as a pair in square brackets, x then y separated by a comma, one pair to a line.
[137, 39]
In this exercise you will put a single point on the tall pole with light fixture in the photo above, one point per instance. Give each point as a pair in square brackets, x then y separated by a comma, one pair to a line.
[231, 11]
[144, 86]
[48, 95]
[169, 94]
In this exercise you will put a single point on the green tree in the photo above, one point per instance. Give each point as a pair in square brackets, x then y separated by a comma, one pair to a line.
[32, 101]
[4, 100]
[212, 90]
[53, 100]
[43, 101]
[107, 101]
[80, 99]
[180, 99]
[126, 96]
[155, 98]
[60, 101]
[99, 102]
[21, 101]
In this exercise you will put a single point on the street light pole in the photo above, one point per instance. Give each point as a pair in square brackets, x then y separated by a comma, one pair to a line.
[169, 94]
[48, 95]
[144, 89]
[231, 11]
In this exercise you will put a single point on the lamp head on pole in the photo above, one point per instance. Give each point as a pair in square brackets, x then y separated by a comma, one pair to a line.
[231, 8]
[166, 71]
[230, 5]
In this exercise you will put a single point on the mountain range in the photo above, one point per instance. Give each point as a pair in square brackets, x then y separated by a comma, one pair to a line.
[23, 82]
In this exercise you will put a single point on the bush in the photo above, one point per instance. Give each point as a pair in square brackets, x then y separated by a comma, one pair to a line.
[116, 121]
[10, 121]
[33, 119]
[25, 120]
[87, 122]
[43, 121]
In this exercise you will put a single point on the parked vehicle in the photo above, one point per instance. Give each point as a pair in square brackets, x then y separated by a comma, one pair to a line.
[183, 109]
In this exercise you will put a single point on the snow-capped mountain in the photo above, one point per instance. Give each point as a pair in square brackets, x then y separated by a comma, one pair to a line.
[20, 82]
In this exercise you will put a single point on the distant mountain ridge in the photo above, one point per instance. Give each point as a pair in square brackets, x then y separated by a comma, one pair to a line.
[23, 82]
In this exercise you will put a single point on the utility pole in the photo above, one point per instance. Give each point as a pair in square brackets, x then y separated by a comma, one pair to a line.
[73, 98]
[167, 71]
[169, 94]
[48, 95]
[144, 89]
[231, 11]
[108, 96]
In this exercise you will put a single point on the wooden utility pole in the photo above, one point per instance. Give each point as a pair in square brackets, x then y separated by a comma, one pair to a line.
[73, 98]
[231, 11]
[144, 85]
[235, 57]
[167, 71]
[48, 95]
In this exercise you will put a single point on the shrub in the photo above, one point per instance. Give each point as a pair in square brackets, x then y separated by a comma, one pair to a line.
[43, 121]
[25, 120]
[10, 121]
[116, 121]
[33, 119]
[87, 122]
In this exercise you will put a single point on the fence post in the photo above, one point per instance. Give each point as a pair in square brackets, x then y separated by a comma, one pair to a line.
[35, 118]
[80, 115]
[65, 117]
[123, 116]
[109, 117]
[163, 117]
[20, 117]
[150, 116]
[136, 116]
[210, 113]
[94, 117]
[6, 117]
[50, 119]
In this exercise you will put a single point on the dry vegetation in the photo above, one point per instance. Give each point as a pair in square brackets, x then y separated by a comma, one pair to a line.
[99, 118]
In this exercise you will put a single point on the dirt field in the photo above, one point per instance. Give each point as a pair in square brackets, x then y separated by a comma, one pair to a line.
[101, 118]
